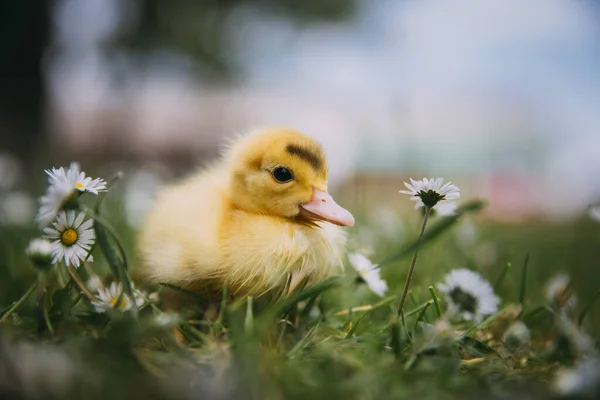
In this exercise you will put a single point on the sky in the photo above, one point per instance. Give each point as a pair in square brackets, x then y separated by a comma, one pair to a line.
[434, 86]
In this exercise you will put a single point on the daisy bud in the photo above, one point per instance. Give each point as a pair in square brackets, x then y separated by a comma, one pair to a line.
[94, 283]
[559, 293]
[167, 319]
[517, 335]
[39, 252]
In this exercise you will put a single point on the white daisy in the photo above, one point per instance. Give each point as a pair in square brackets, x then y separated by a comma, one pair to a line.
[444, 208]
[558, 291]
[387, 221]
[94, 283]
[438, 333]
[469, 295]
[112, 298]
[517, 336]
[72, 236]
[369, 273]
[584, 379]
[74, 178]
[10, 171]
[17, 208]
[429, 192]
[51, 203]
[467, 234]
[569, 328]
[140, 192]
[62, 188]
[141, 297]
[166, 319]
[594, 212]
[39, 252]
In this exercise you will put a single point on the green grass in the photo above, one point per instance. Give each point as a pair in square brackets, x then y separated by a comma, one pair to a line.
[335, 339]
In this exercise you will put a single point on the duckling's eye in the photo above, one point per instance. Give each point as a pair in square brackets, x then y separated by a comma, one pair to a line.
[282, 174]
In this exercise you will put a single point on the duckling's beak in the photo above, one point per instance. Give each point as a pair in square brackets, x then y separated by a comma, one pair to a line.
[322, 206]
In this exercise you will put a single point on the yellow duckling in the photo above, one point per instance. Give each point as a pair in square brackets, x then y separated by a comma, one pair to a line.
[259, 219]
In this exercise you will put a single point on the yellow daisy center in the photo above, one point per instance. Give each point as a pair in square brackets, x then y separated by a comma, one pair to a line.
[69, 237]
[117, 302]
[79, 185]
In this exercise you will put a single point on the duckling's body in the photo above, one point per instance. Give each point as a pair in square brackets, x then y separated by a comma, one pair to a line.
[234, 223]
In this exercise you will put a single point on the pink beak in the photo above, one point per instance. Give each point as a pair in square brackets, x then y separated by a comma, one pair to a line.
[322, 206]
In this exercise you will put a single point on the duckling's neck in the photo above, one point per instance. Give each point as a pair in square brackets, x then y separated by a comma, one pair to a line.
[305, 221]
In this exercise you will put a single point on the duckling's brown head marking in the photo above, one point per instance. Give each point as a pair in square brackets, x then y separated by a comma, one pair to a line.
[282, 172]
[315, 160]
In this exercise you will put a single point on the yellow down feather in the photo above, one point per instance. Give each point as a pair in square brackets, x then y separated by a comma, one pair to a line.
[233, 224]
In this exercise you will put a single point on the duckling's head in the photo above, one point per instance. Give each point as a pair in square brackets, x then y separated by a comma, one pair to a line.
[282, 172]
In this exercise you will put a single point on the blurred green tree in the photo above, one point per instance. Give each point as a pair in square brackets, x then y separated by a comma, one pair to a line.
[194, 28]
[198, 28]
[24, 35]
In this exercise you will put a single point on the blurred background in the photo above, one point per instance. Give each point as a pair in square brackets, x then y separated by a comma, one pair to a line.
[500, 96]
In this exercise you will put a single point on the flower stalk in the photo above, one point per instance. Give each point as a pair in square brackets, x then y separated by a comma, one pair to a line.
[18, 304]
[411, 269]
[80, 283]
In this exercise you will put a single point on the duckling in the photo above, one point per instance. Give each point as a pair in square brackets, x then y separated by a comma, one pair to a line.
[260, 219]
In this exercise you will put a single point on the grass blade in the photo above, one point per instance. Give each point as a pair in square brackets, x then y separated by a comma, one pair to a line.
[502, 275]
[183, 291]
[5, 314]
[523, 279]
[418, 309]
[223, 310]
[436, 301]
[587, 308]
[312, 291]
[304, 341]
[422, 313]
[367, 307]
[395, 342]
[403, 319]
[249, 320]
[304, 317]
[117, 262]
[46, 312]
[486, 322]
[354, 326]
[434, 231]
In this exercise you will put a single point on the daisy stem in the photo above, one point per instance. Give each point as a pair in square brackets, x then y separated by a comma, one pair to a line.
[87, 266]
[502, 275]
[61, 278]
[523, 280]
[79, 283]
[18, 304]
[44, 298]
[46, 312]
[411, 270]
